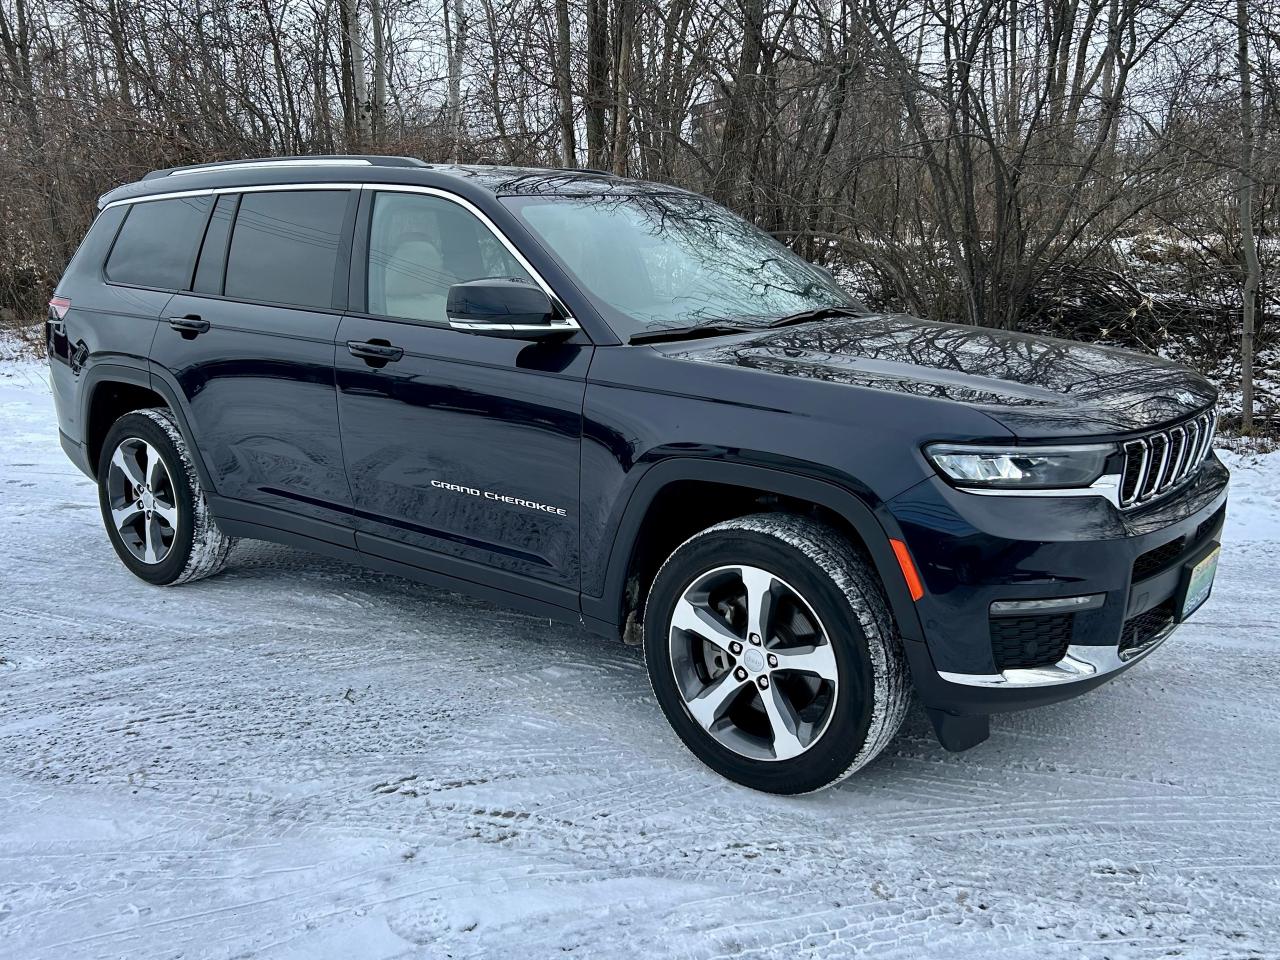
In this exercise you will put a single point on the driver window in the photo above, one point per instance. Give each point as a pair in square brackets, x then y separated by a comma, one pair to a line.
[419, 246]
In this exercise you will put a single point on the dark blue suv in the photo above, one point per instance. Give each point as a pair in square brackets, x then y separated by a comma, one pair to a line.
[616, 403]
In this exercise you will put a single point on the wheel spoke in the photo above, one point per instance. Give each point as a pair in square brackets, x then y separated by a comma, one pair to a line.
[154, 467]
[710, 703]
[784, 722]
[699, 620]
[128, 466]
[121, 516]
[759, 587]
[819, 659]
[167, 513]
[152, 542]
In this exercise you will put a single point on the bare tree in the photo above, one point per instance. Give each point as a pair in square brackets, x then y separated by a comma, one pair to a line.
[1248, 243]
[1107, 169]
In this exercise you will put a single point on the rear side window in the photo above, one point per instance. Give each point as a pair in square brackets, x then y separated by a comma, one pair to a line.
[284, 247]
[156, 247]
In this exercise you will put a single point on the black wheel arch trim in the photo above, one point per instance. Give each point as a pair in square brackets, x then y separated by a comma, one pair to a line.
[162, 382]
[146, 376]
[874, 527]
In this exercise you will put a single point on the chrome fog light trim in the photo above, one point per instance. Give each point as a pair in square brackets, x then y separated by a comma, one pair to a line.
[1013, 608]
[1080, 663]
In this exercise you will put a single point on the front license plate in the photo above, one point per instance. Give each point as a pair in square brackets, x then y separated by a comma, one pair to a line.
[1199, 581]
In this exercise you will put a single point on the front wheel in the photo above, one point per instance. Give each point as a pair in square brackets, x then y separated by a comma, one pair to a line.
[772, 652]
[152, 503]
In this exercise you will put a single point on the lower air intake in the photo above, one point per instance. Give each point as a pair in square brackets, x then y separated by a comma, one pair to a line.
[1022, 642]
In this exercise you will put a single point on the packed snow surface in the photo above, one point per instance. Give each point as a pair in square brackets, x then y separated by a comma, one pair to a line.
[303, 759]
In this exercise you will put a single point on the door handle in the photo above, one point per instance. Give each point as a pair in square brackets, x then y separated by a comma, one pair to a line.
[189, 326]
[376, 353]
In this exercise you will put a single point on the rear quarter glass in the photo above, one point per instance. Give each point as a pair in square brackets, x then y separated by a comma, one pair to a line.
[156, 247]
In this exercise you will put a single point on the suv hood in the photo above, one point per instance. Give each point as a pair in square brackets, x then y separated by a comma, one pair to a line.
[1037, 387]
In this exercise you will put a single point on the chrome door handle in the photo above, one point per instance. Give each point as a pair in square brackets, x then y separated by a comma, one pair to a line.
[376, 353]
[189, 326]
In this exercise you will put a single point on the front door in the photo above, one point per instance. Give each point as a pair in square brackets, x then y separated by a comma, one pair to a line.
[462, 450]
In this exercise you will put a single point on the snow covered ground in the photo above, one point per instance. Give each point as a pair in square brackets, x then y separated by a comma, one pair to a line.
[302, 759]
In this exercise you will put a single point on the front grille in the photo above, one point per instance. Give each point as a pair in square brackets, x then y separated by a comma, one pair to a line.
[1158, 462]
[1153, 561]
[1145, 627]
[1019, 642]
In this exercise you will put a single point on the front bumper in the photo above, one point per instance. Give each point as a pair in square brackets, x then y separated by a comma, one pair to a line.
[975, 550]
[1081, 662]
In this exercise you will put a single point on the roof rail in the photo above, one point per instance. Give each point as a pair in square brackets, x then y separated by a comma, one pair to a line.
[335, 160]
[602, 173]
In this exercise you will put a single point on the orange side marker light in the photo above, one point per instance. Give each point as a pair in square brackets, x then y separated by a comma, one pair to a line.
[909, 572]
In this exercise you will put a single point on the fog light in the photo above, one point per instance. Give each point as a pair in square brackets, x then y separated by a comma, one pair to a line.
[1013, 608]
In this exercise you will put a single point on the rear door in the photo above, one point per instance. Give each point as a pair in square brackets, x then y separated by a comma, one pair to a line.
[462, 451]
[250, 348]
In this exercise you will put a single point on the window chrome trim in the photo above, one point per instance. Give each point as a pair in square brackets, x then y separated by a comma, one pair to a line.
[568, 323]
[479, 326]
[217, 191]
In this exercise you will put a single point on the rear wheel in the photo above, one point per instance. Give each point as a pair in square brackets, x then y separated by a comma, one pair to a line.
[772, 653]
[152, 503]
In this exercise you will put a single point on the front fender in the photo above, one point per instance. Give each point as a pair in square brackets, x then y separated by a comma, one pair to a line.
[874, 525]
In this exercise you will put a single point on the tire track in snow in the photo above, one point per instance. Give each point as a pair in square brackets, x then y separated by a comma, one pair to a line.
[301, 752]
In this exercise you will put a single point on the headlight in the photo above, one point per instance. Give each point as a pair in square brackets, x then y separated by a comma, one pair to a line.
[1024, 468]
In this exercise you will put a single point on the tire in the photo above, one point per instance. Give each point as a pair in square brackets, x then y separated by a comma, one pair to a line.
[828, 653]
[164, 534]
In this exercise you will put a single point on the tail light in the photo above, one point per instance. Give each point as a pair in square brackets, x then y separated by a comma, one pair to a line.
[58, 307]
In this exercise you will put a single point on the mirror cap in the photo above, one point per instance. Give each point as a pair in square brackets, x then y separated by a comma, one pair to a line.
[505, 301]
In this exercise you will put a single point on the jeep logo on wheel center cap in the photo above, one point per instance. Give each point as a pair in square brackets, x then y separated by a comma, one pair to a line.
[754, 660]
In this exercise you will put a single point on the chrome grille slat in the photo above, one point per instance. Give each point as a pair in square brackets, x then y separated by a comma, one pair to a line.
[1135, 470]
[1177, 454]
[1211, 427]
[1155, 473]
[1163, 459]
[1193, 444]
[1202, 435]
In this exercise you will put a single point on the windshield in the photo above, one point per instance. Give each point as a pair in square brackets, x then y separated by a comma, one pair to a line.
[653, 261]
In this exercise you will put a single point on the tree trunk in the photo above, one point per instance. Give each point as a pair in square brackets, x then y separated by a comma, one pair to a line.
[359, 83]
[741, 105]
[564, 67]
[456, 39]
[597, 95]
[1248, 242]
[378, 115]
[622, 81]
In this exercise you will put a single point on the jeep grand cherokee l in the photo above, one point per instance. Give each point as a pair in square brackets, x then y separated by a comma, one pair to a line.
[616, 403]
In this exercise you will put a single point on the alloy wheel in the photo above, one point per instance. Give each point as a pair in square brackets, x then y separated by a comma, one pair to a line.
[142, 500]
[753, 663]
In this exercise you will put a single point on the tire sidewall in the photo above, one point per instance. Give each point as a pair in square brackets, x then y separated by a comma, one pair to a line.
[142, 427]
[847, 730]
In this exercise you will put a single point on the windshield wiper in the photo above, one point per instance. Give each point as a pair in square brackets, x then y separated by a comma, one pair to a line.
[717, 328]
[819, 313]
[713, 329]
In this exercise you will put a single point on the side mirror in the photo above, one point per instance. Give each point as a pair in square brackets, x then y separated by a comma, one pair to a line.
[503, 307]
